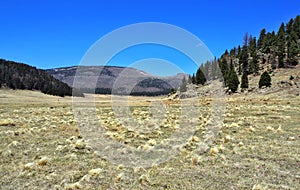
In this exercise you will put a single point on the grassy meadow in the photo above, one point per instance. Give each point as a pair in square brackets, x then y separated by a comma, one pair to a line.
[257, 147]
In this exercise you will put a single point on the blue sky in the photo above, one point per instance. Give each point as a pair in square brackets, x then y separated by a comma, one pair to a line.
[52, 33]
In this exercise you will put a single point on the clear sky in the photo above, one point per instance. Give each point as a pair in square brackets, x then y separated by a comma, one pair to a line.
[58, 33]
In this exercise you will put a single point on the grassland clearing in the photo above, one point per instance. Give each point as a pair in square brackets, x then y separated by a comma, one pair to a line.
[258, 146]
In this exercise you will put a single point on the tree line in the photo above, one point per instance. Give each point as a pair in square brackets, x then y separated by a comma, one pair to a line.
[15, 75]
[280, 49]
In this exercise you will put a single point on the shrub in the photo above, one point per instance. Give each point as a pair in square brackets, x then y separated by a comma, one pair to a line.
[265, 80]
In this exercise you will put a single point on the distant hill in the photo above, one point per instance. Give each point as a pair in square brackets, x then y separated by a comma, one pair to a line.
[22, 76]
[116, 80]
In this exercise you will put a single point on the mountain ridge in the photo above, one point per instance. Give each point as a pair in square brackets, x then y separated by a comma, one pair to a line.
[116, 79]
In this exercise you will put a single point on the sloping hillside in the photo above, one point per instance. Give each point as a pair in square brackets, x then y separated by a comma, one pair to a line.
[269, 52]
[22, 76]
[119, 80]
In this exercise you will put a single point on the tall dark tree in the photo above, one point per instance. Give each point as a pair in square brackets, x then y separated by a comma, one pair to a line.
[193, 79]
[269, 43]
[253, 65]
[252, 45]
[281, 43]
[260, 42]
[239, 51]
[200, 77]
[296, 26]
[225, 55]
[243, 60]
[290, 26]
[293, 48]
[233, 52]
[223, 65]
[232, 80]
[245, 81]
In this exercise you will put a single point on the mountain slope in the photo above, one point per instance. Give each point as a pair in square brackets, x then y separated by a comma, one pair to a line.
[117, 80]
[21, 76]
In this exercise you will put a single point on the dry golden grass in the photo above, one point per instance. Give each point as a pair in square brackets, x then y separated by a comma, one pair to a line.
[258, 147]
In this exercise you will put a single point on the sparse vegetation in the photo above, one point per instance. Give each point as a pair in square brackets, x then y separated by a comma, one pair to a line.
[258, 141]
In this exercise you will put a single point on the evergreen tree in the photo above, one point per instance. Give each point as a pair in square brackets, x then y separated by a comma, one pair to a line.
[225, 55]
[289, 27]
[200, 77]
[245, 82]
[281, 42]
[260, 42]
[243, 61]
[293, 48]
[223, 67]
[269, 43]
[265, 80]
[193, 79]
[232, 81]
[233, 52]
[253, 65]
[239, 51]
[296, 26]
[252, 46]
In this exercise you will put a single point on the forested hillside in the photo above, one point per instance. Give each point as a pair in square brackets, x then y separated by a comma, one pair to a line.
[272, 50]
[21, 76]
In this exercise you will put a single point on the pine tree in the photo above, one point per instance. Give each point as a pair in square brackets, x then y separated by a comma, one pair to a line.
[261, 39]
[296, 26]
[265, 80]
[232, 52]
[239, 51]
[293, 48]
[232, 81]
[245, 82]
[243, 61]
[225, 55]
[252, 45]
[223, 67]
[289, 27]
[253, 65]
[281, 45]
[193, 79]
[200, 77]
